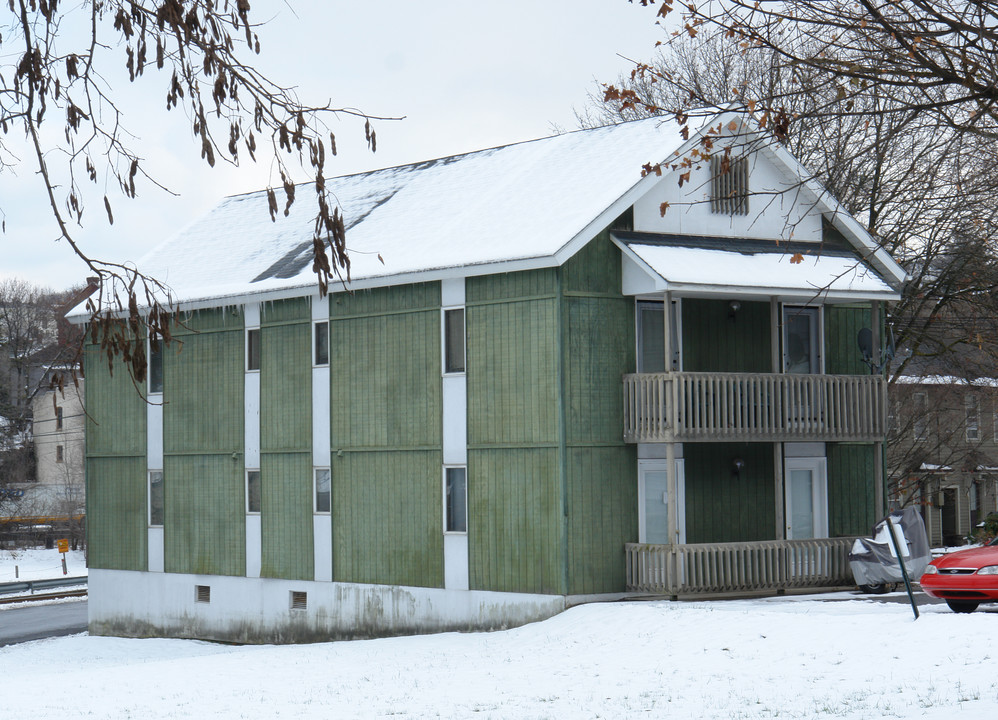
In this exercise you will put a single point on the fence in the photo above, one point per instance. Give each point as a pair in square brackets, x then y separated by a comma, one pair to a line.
[676, 407]
[738, 567]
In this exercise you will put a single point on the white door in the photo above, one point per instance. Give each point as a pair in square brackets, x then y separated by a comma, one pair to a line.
[806, 498]
[653, 502]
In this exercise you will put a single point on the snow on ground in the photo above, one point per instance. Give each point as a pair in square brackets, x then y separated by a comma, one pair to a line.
[39, 564]
[830, 656]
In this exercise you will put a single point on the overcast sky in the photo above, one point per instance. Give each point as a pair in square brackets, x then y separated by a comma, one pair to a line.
[465, 75]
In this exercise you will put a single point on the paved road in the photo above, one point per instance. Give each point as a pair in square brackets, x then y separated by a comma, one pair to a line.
[34, 622]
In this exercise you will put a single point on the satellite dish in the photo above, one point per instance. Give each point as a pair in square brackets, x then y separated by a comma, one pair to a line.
[865, 341]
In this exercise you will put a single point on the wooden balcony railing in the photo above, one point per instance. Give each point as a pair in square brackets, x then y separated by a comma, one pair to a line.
[689, 407]
[738, 567]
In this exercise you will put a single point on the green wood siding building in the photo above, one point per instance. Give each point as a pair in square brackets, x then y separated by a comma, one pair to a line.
[494, 418]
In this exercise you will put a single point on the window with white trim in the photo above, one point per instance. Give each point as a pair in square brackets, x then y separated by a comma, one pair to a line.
[323, 491]
[253, 494]
[320, 343]
[972, 430]
[157, 498]
[920, 415]
[252, 349]
[58, 418]
[156, 366]
[456, 499]
[454, 345]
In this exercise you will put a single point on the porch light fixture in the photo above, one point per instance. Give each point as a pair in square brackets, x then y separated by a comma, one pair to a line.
[737, 465]
[733, 307]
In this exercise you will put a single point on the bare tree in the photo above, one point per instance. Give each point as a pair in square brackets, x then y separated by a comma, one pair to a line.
[53, 88]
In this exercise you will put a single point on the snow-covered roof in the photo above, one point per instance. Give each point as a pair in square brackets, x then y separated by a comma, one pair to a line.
[521, 206]
[691, 268]
[946, 380]
[520, 203]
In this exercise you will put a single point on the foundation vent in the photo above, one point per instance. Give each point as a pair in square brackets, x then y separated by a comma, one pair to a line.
[299, 600]
[202, 593]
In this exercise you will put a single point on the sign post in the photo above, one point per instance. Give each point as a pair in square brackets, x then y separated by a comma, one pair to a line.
[63, 549]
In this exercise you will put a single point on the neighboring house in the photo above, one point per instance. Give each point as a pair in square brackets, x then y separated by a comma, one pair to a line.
[58, 429]
[536, 388]
[943, 451]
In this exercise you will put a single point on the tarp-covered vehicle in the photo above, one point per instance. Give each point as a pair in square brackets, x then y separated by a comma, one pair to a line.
[873, 561]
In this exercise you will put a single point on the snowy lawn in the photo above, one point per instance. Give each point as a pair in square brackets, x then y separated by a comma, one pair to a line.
[831, 656]
[39, 564]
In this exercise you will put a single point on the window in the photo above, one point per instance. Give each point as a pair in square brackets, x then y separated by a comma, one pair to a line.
[973, 407]
[728, 185]
[321, 335]
[156, 498]
[920, 414]
[456, 499]
[253, 503]
[58, 418]
[323, 497]
[58, 453]
[252, 349]
[893, 418]
[454, 340]
[156, 366]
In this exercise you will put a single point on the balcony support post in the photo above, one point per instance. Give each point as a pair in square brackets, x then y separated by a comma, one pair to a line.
[672, 481]
[667, 321]
[781, 527]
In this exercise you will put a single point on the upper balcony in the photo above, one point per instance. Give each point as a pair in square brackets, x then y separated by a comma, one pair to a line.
[761, 407]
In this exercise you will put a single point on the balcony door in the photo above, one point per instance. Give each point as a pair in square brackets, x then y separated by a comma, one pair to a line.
[806, 486]
[653, 502]
[801, 340]
[651, 336]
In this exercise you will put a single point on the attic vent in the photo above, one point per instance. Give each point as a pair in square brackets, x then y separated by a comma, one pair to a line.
[299, 600]
[728, 185]
[202, 593]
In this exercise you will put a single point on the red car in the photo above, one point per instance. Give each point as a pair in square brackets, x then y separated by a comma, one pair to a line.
[964, 579]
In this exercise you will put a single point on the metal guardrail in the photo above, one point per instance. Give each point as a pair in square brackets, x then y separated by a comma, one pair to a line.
[738, 567]
[33, 585]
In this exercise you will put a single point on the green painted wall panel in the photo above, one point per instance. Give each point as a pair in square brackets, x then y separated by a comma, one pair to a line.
[203, 387]
[595, 268]
[117, 515]
[842, 325]
[851, 503]
[514, 520]
[204, 531]
[419, 296]
[508, 286]
[116, 410]
[286, 516]
[715, 342]
[513, 373]
[282, 311]
[387, 518]
[603, 516]
[721, 507]
[599, 350]
[385, 384]
[386, 427]
[286, 388]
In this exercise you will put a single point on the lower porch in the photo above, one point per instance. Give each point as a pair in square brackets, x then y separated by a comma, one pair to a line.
[738, 566]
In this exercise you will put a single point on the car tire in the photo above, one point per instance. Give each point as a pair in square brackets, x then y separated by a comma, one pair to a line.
[877, 589]
[962, 606]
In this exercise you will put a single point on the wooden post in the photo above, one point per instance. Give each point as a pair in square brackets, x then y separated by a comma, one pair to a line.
[878, 453]
[774, 345]
[672, 480]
